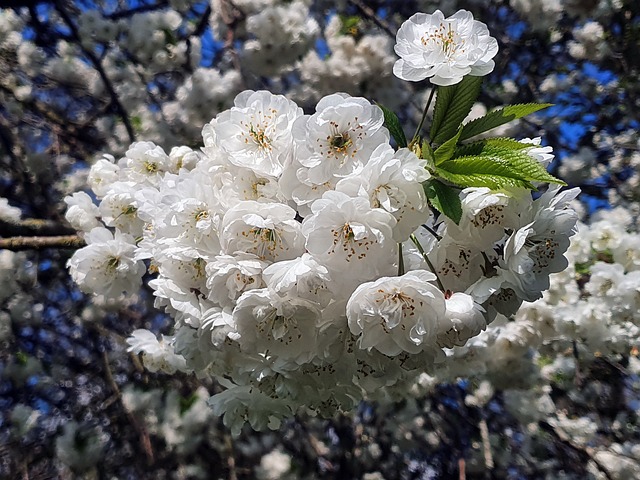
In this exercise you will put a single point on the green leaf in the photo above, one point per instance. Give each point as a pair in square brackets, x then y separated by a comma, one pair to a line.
[453, 104]
[428, 154]
[444, 198]
[500, 117]
[445, 151]
[482, 172]
[528, 167]
[489, 146]
[393, 124]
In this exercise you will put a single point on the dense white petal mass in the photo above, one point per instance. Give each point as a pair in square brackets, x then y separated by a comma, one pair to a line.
[256, 132]
[267, 230]
[393, 181]
[229, 276]
[396, 314]
[268, 324]
[443, 49]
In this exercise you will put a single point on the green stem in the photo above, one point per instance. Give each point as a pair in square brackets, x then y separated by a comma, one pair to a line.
[424, 117]
[400, 260]
[416, 242]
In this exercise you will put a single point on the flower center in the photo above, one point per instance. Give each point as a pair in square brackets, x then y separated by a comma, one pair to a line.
[445, 38]
[351, 247]
[259, 137]
[150, 167]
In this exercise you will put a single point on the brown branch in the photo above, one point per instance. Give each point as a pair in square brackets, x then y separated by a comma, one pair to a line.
[231, 16]
[38, 243]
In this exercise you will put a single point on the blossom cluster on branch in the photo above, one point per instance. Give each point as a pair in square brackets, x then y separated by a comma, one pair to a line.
[309, 264]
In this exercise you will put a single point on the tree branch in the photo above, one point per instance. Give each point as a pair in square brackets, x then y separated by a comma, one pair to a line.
[38, 243]
[33, 227]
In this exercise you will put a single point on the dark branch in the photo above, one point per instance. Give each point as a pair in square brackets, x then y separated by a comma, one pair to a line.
[98, 66]
[34, 227]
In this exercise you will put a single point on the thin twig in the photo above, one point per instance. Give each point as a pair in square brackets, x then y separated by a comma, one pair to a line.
[231, 459]
[115, 100]
[371, 15]
[400, 260]
[432, 231]
[416, 242]
[424, 117]
[145, 440]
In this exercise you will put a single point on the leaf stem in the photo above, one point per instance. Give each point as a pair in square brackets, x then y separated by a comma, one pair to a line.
[416, 242]
[424, 116]
[400, 260]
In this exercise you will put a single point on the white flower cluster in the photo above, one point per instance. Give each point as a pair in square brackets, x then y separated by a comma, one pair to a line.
[300, 257]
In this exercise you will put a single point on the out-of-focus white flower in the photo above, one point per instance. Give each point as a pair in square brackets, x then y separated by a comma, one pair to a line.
[157, 355]
[273, 465]
[7, 212]
[443, 49]
[79, 446]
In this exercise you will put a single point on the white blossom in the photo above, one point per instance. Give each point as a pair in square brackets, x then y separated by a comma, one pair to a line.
[443, 49]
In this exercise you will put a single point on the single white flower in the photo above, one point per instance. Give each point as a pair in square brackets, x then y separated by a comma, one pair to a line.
[267, 230]
[106, 266]
[228, 276]
[463, 319]
[339, 138]
[301, 277]
[145, 163]
[157, 355]
[443, 49]
[81, 213]
[271, 325]
[350, 238]
[256, 132]
[396, 314]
